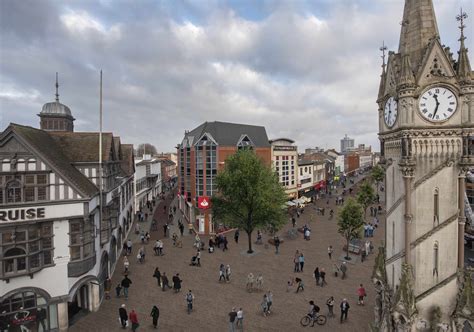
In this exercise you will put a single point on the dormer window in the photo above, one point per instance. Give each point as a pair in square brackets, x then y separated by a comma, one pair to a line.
[245, 143]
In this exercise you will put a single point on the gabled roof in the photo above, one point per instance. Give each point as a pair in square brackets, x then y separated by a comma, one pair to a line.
[229, 134]
[84, 146]
[49, 150]
[128, 163]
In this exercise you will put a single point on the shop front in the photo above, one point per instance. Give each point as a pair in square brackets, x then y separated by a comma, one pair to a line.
[28, 309]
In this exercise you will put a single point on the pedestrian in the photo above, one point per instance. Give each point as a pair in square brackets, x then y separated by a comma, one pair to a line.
[123, 315]
[189, 301]
[296, 262]
[126, 282]
[155, 247]
[157, 275]
[269, 301]
[232, 317]
[290, 284]
[177, 283]
[107, 287]
[164, 282]
[330, 305]
[307, 234]
[126, 265]
[367, 248]
[301, 260]
[225, 244]
[227, 273]
[198, 257]
[344, 309]
[134, 319]
[240, 319]
[155, 314]
[165, 230]
[330, 251]
[343, 269]
[221, 272]
[129, 246]
[361, 293]
[236, 236]
[336, 270]
[181, 227]
[317, 275]
[322, 274]
[277, 243]
[118, 289]
[300, 284]
[264, 305]
[293, 222]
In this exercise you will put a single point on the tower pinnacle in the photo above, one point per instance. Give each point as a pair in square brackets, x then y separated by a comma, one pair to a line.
[57, 87]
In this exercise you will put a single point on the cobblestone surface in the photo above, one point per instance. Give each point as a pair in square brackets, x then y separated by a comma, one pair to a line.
[215, 300]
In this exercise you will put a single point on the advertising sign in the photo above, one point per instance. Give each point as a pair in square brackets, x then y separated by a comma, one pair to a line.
[204, 202]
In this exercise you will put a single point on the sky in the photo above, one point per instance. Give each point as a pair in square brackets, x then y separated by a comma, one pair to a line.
[306, 70]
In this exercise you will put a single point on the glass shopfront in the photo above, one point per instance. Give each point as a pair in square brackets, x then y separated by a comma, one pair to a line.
[27, 311]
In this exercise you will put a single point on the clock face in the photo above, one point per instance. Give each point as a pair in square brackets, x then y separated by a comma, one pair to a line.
[390, 112]
[437, 104]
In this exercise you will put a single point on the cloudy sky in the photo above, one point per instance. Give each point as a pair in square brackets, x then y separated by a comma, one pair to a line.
[307, 70]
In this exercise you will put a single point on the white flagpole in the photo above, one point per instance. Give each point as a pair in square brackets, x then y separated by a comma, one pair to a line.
[100, 156]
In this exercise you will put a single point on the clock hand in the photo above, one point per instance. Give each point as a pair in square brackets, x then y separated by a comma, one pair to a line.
[437, 105]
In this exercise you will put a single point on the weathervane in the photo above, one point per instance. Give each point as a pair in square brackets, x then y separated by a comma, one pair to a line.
[383, 48]
[57, 86]
[460, 18]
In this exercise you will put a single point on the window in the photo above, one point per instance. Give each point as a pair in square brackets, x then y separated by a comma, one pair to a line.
[301, 171]
[23, 188]
[14, 192]
[26, 249]
[81, 245]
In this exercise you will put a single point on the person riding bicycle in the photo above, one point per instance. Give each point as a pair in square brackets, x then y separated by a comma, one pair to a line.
[313, 311]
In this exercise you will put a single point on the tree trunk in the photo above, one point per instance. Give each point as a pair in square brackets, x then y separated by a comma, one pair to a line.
[249, 236]
[347, 249]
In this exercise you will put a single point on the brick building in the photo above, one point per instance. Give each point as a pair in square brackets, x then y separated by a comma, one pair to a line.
[202, 154]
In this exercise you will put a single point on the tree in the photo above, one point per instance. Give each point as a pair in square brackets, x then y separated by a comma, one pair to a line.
[350, 222]
[366, 195]
[145, 148]
[378, 175]
[248, 195]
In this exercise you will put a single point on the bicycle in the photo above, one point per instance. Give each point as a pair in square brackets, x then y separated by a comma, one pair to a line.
[319, 319]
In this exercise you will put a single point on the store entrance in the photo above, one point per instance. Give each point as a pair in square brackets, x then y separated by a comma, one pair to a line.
[79, 306]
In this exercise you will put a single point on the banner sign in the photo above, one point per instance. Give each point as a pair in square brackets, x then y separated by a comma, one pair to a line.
[204, 202]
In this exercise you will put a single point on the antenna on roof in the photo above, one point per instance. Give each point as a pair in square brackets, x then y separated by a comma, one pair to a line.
[57, 86]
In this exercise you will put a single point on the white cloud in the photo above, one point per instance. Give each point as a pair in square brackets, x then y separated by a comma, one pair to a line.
[82, 23]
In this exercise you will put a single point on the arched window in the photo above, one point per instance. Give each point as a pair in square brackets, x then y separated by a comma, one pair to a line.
[15, 260]
[436, 206]
[14, 193]
[435, 259]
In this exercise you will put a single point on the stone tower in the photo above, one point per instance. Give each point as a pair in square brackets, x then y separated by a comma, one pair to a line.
[426, 127]
[55, 116]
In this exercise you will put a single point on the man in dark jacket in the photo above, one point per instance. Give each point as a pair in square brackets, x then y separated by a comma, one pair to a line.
[176, 283]
[344, 309]
[126, 282]
[123, 316]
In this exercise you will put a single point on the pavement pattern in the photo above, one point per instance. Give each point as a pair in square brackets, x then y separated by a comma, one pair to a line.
[214, 300]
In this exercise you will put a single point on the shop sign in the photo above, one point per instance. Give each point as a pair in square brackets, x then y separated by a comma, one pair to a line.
[22, 214]
[204, 202]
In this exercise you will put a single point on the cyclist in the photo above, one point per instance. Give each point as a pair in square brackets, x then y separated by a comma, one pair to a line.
[313, 311]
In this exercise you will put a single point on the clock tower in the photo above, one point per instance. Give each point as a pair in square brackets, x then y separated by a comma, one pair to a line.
[426, 130]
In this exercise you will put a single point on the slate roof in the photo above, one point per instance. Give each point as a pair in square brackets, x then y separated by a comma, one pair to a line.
[128, 163]
[229, 134]
[54, 155]
[83, 146]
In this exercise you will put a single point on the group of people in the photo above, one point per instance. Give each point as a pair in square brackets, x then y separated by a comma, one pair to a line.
[224, 273]
[298, 261]
[267, 303]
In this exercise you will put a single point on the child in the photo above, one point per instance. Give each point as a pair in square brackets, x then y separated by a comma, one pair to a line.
[118, 289]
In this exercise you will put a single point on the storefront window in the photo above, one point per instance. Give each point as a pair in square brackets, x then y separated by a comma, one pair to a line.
[27, 311]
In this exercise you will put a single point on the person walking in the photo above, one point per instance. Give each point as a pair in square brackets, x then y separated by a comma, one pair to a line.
[300, 285]
[126, 265]
[264, 305]
[189, 301]
[129, 246]
[157, 275]
[118, 289]
[296, 262]
[126, 282]
[236, 236]
[225, 242]
[164, 282]
[198, 258]
[322, 274]
[155, 314]
[181, 228]
[240, 319]
[107, 287]
[155, 248]
[221, 272]
[330, 251]
[232, 318]
[361, 293]
[227, 273]
[301, 260]
[134, 320]
[123, 315]
[269, 301]
[330, 305]
[343, 269]
[177, 283]
[344, 309]
[317, 275]
[277, 244]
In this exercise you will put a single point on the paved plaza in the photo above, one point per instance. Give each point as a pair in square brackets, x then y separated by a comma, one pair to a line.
[214, 300]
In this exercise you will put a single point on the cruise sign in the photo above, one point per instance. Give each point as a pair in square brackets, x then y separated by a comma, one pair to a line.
[22, 214]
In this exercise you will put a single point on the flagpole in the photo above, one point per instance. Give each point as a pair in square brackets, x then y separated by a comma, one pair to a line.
[100, 158]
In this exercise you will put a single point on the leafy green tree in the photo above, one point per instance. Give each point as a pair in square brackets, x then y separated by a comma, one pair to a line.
[249, 195]
[350, 222]
[366, 195]
[378, 175]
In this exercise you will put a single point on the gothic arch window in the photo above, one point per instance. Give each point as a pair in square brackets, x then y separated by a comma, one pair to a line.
[435, 259]
[436, 206]
[14, 191]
